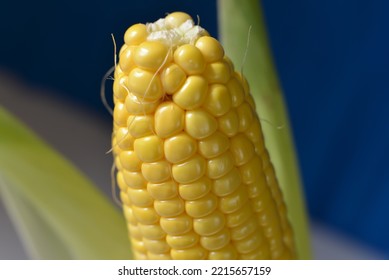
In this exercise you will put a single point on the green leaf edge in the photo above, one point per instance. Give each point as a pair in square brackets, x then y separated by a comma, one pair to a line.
[40, 186]
[235, 18]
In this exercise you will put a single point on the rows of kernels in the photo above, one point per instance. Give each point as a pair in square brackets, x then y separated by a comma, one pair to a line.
[188, 146]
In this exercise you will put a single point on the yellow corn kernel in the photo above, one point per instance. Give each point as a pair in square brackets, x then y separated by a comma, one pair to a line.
[169, 119]
[126, 59]
[227, 184]
[201, 207]
[196, 189]
[156, 246]
[135, 35]
[183, 241]
[190, 170]
[177, 225]
[190, 59]
[194, 253]
[192, 94]
[138, 106]
[210, 224]
[144, 84]
[179, 148]
[139, 197]
[199, 124]
[172, 78]
[216, 241]
[156, 172]
[218, 100]
[217, 72]
[214, 145]
[226, 253]
[153, 231]
[140, 126]
[163, 191]
[151, 55]
[220, 165]
[210, 48]
[169, 208]
[194, 175]
[229, 123]
[149, 148]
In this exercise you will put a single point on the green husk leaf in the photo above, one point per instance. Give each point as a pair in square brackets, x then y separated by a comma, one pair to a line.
[235, 18]
[58, 212]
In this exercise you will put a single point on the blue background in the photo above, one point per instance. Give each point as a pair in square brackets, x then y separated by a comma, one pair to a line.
[332, 57]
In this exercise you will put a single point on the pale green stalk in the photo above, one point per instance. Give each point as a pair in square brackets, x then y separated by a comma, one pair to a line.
[235, 19]
[57, 211]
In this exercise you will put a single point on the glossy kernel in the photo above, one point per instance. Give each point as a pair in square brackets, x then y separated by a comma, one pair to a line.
[184, 241]
[153, 231]
[179, 148]
[164, 190]
[145, 215]
[239, 217]
[130, 161]
[202, 206]
[227, 184]
[176, 225]
[217, 72]
[134, 179]
[156, 246]
[123, 139]
[210, 48]
[129, 215]
[120, 88]
[210, 224]
[149, 148]
[196, 189]
[151, 55]
[249, 171]
[126, 59]
[172, 78]
[192, 94]
[229, 123]
[218, 101]
[140, 197]
[169, 119]
[233, 201]
[214, 145]
[189, 171]
[246, 116]
[190, 59]
[156, 172]
[199, 124]
[242, 149]
[169, 208]
[236, 91]
[220, 165]
[136, 34]
[120, 114]
[176, 19]
[226, 253]
[249, 244]
[140, 126]
[216, 241]
[138, 106]
[245, 229]
[194, 253]
[144, 84]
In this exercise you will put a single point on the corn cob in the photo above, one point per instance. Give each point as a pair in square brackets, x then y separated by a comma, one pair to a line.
[195, 178]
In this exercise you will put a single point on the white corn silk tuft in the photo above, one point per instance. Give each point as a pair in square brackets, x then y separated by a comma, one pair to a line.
[186, 33]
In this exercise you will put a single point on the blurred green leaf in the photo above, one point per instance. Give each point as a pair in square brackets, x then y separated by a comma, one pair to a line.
[235, 20]
[57, 211]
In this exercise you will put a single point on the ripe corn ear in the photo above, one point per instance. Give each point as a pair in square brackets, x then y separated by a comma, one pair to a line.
[195, 178]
